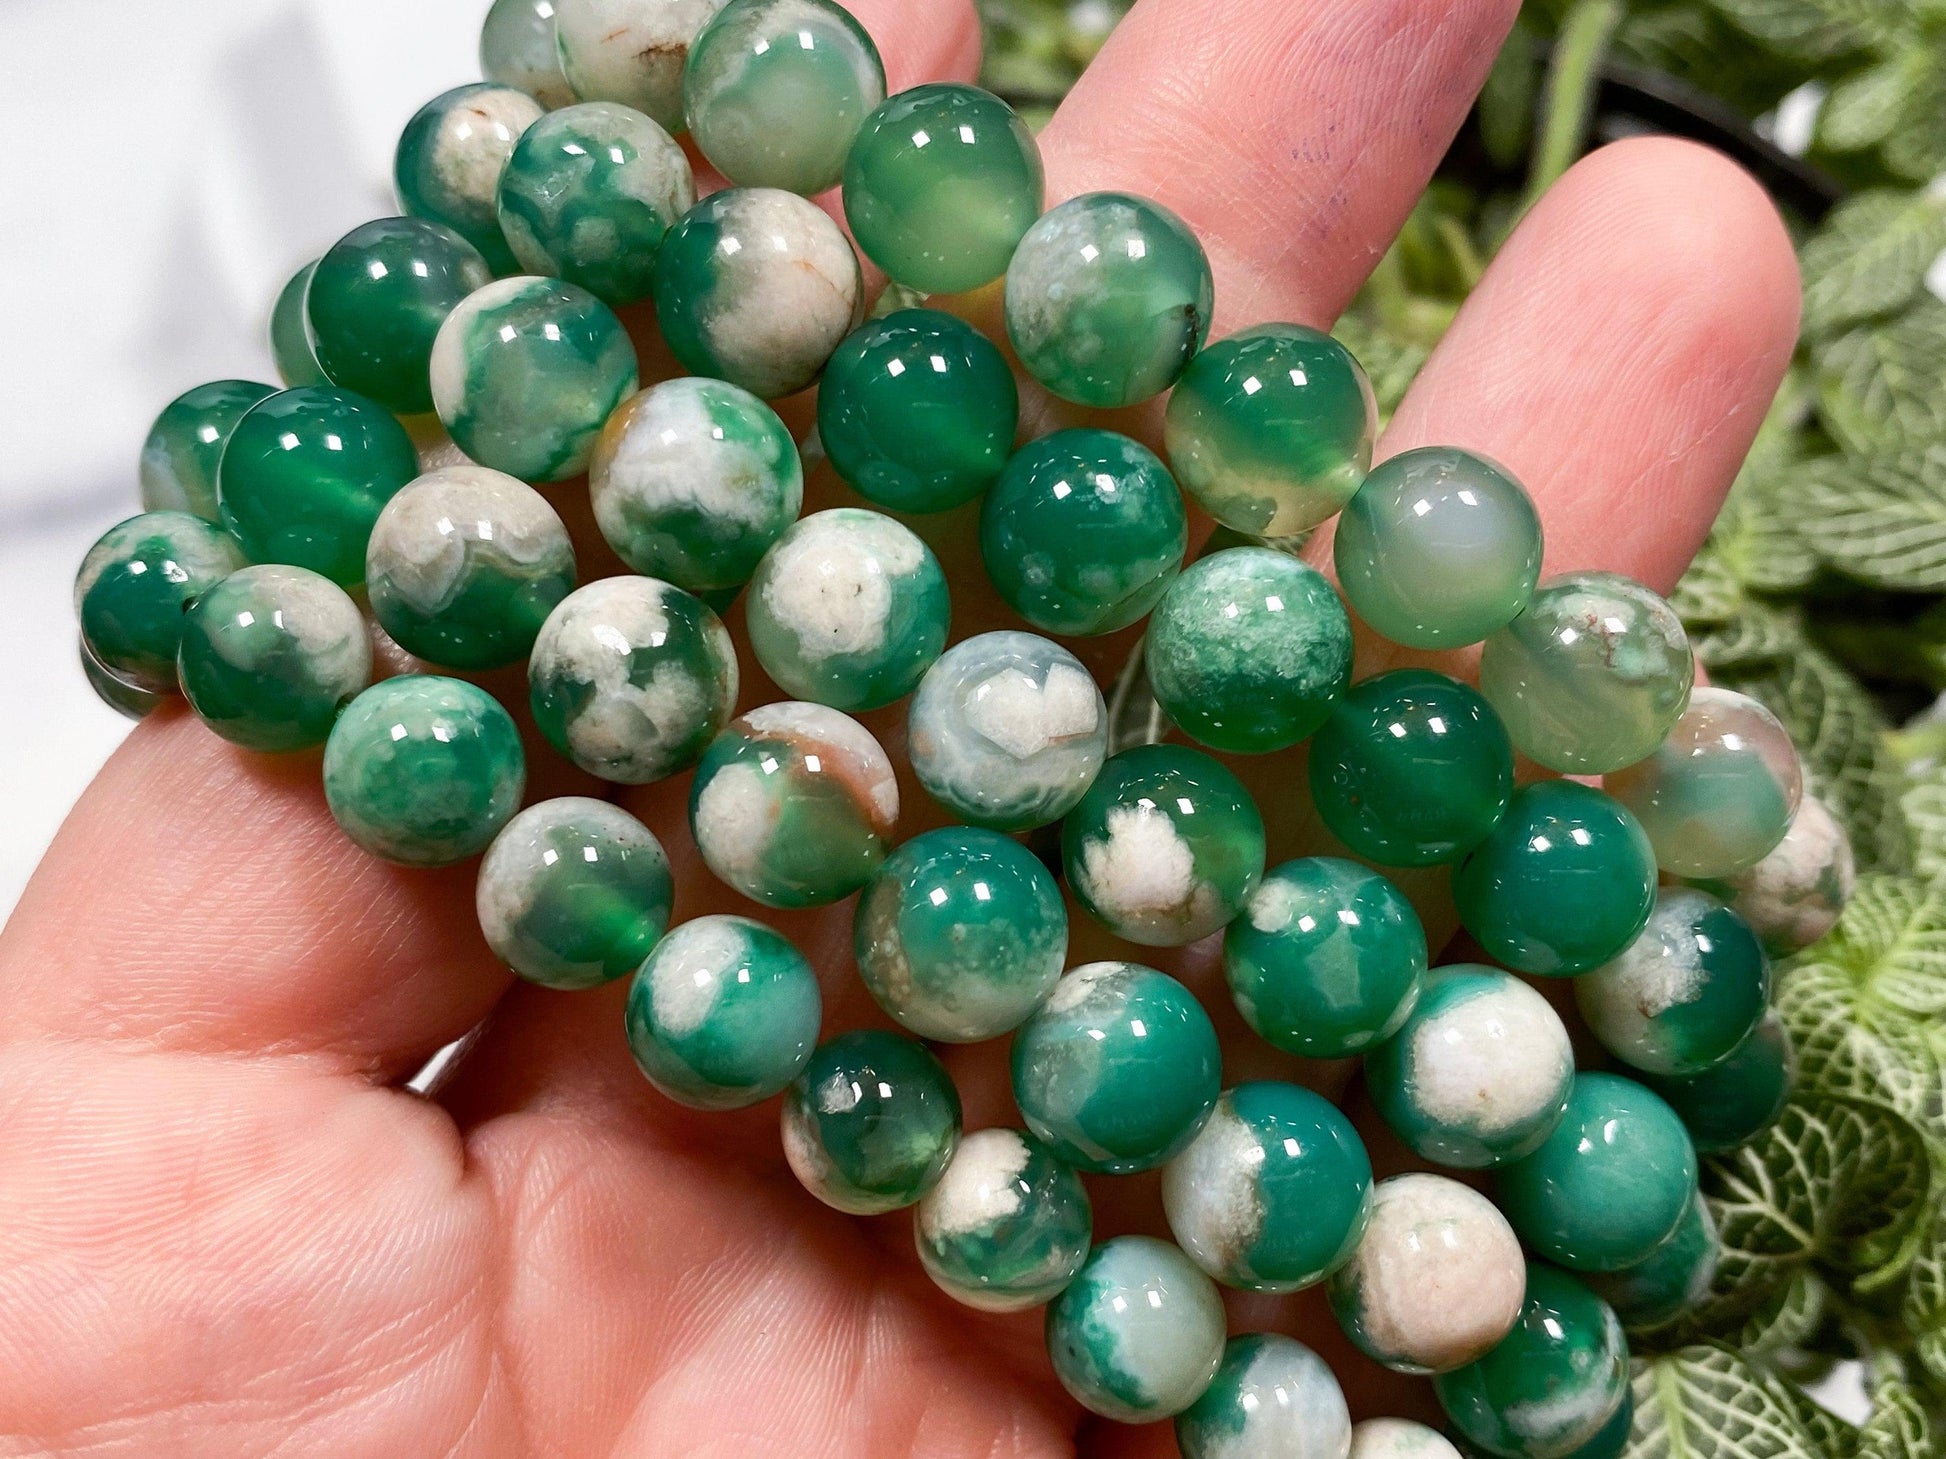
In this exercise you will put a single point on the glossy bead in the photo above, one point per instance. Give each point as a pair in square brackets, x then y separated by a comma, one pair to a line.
[448, 162]
[1138, 1334]
[1273, 1193]
[848, 608]
[1248, 650]
[775, 91]
[1609, 1184]
[1733, 1102]
[1592, 676]
[1611, 1440]
[1165, 847]
[588, 195]
[376, 302]
[1479, 1074]
[1272, 1398]
[723, 1013]
[758, 287]
[1327, 958]
[871, 1123]
[424, 771]
[1552, 1383]
[290, 337]
[917, 411]
[940, 184]
[1271, 430]
[518, 48]
[135, 585]
[187, 440]
[1684, 994]
[1083, 532]
[1008, 1225]
[573, 893]
[631, 679]
[271, 654]
[794, 805]
[1399, 1438]
[1795, 894]
[1669, 1280]
[1008, 730]
[961, 934]
[1439, 548]
[631, 51]
[1562, 884]
[131, 701]
[1118, 1069]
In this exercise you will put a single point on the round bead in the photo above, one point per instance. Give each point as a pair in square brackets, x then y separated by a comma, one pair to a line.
[1672, 1278]
[631, 51]
[135, 585]
[1138, 1334]
[131, 701]
[723, 1013]
[1008, 730]
[871, 1123]
[961, 934]
[448, 162]
[631, 679]
[1795, 894]
[1399, 1438]
[1118, 1069]
[1273, 1193]
[940, 184]
[1008, 1225]
[1248, 650]
[848, 608]
[424, 771]
[1272, 1398]
[1327, 958]
[917, 411]
[1165, 847]
[574, 893]
[290, 338]
[271, 654]
[1562, 884]
[1733, 1102]
[1592, 676]
[588, 195]
[1684, 994]
[1439, 548]
[1083, 532]
[758, 287]
[794, 805]
[187, 440]
[1479, 1074]
[517, 48]
[1436, 1281]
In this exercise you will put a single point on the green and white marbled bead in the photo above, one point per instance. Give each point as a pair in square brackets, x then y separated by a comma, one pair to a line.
[1138, 1334]
[517, 48]
[631, 51]
[1399, 1438]
[1797, 893]
[871, 1123]
[131, 701]
[449, 158]
[179, 457]
[1008, 1225]
[135, 584]
[1733, 1102]
[1673, 1278]
[1272, 1398]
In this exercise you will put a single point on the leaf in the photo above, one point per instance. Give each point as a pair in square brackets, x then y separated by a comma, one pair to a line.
[1821, 30]
[1390, 361]
[1878, 384]
[1924, 804]
[1917, 146]
[1890, 944]
[1882, 521]
[1863, 109]
[1754, 641]
[1787, 1319]
[1831, 1437]
[1870, 257]
[1899, 1427]
[1850, 1045]
[1705, 1402]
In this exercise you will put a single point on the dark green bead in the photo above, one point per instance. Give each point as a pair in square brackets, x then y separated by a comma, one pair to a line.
[290, 337]
[449, 158]
[131, 701]
[871, 1123]
[186, 442]
[1669, 1280]
[138, 581]
[1735, 1101]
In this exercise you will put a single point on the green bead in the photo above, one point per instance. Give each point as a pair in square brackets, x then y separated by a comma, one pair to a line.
[1479, 1074]
[1411, 769]
[1796, 894]
[961, 934]
[517, 48]
[1592, 676]
[1118, 1069]
[1439, 548]
[917, 411]
[305, 475]
[758, 287]
[187, 440]
[131, 701]
[1670, 1280]
[794, 805]
[940, 185]
[775, 91]
[1609, 1184]
[1165, 847]
[1327, 958]
[1611, 1441]
[424, 771]
[135, 585]
[1561, 884]
[1271, 430]
[1083, 532]
[290, 339]
[723, 1013]
[573, 893]
[1272, 1398]
[1108, 299]
[271, 654]
[871, 1123]
[1273, 1193]
[1555, 1381]
[1731, 1103]
[1008, 1225]
[376, 302]
[588, 195]
[1684, 994]
[447, 166]
[1248, 650]
[1138, 1334]
[631, 51]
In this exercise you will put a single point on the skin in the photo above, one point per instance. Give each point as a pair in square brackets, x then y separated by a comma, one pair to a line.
[224, 1228]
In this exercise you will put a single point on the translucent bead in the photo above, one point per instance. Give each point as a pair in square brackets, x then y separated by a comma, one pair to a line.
[1272, 1398]
[290, 337]
[184, 445]
[131, 701]
[1399, 1438]
[871, 1123]
[518, 48]
[1795, 894]
[447, 165]
[631, 51]
[1138, 1334]
[1439, 548]
[134, 586]
[1732, 1102]
[1669, 1280]
[1008, 1225]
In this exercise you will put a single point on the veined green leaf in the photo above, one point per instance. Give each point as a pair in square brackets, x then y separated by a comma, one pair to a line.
[1864, 108]
[1850, 1044]
[1871, 256]
[1878, 384]
[1706, 1402]
[1917, 146]
[1899, 1427]
[1924, 804]
[1881, 520]
[1890, 945]
[1820, 30]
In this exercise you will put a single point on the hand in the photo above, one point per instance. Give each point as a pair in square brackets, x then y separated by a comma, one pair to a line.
[225, 1229]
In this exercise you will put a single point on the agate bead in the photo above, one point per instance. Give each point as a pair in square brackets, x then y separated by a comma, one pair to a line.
[136, 583]
[179, 457]
[131, 701]
[449, 158]
[871, 1123]
[518, 48]
[1669, 1280]
[1795, 894]
[631, 51]
[1272, 1398]
[1734, 1101]
[1399, 1438]
[290, 337]
[1008, 1224]
[1138, 1334]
